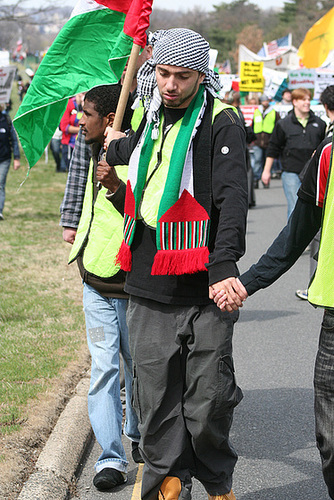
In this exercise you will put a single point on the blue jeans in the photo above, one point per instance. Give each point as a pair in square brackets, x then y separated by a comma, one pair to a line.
[291, 184]
[258, 160]
[277, 166]
[4, 167]
[107, 336]
[66, 154]
[324, 399]
[55, 149]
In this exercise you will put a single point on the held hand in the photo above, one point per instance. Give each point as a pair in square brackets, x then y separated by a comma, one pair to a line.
[69, 234]
[240, 289]
[16, 164]
[228, 294]
[107, 175]
[110, 135]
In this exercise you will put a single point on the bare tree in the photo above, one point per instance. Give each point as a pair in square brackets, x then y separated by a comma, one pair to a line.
[16, 12]
[252, 37]
[31, 25]
[165, 19]
[197, 20]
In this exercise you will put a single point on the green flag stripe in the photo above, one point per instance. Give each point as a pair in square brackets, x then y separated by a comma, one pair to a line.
[77, 61]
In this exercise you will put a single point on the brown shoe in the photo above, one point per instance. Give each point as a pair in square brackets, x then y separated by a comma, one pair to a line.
[227, 496]
[170, 488]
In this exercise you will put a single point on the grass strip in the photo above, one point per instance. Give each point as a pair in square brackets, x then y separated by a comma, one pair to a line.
[41, 319]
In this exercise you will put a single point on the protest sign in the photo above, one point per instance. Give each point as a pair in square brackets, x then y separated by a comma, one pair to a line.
[251, 76]
[302, 78]
[4, 58]
[226, 83]
[7, 75]
[323, 79]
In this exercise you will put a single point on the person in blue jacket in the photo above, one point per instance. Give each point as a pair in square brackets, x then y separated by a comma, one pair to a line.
[9, 147]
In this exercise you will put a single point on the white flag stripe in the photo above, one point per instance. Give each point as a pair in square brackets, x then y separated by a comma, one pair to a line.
[83, 6]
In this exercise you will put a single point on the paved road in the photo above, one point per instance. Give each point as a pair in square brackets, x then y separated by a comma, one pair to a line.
[274, 350]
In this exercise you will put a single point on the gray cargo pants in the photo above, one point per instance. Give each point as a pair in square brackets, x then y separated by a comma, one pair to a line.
[184, 393]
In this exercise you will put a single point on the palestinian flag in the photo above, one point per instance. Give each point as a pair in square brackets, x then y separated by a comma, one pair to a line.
[90, 50]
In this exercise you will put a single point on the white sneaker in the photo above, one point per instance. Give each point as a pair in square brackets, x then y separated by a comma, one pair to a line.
[301, 294]
[1, 216]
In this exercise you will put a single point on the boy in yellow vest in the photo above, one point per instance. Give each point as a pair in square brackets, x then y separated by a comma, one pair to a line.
[264, 120]
[96, 242]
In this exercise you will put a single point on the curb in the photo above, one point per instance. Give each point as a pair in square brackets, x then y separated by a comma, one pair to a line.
[61, 455]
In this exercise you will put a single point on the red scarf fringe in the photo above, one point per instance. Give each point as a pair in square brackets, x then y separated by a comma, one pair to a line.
[124, 257]
[180, 261]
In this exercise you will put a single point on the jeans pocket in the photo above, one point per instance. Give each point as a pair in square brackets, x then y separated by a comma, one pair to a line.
[229, 394]
[328, 321]
[135, 394]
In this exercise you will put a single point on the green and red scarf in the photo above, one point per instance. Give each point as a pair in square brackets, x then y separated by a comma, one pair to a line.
[183, 224]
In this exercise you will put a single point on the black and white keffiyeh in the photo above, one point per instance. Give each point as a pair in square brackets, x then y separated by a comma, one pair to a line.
[176, 47]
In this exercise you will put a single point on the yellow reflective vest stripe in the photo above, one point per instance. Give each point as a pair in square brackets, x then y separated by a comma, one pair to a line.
[321, 290]
[100, 230]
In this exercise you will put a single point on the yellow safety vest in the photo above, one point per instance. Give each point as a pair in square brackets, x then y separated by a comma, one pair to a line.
[266, 124]
[321, 290]
[100, 230]
[137, 117]
[159, 165]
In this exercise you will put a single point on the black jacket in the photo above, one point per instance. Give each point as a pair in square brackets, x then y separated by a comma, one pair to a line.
[303, 224]
[227, 194]
[8, 139]
[293, 143]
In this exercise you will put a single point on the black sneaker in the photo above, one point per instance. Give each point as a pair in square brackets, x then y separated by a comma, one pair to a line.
[108, 478]
[136, 456]
[1, 216]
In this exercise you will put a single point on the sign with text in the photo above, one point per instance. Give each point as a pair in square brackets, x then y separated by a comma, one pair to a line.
[226, 83]
[251, 76]
[248, 112]
[4, 58]
[302, 78]
[213, 53]
[323, 80]
[7, 75]
[274, 80]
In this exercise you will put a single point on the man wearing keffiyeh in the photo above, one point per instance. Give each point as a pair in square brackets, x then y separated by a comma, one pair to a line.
[184, 230]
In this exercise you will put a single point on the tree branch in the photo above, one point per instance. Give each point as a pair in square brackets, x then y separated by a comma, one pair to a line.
[15, 12]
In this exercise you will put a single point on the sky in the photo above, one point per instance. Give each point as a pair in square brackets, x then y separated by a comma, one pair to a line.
[174, 4]
[208, 4]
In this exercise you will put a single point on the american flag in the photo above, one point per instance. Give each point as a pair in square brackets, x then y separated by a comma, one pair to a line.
[226, 67]
[272, 48]
[276, 47]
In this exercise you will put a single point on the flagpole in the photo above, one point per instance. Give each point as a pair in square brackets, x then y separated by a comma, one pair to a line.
[129, 76]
